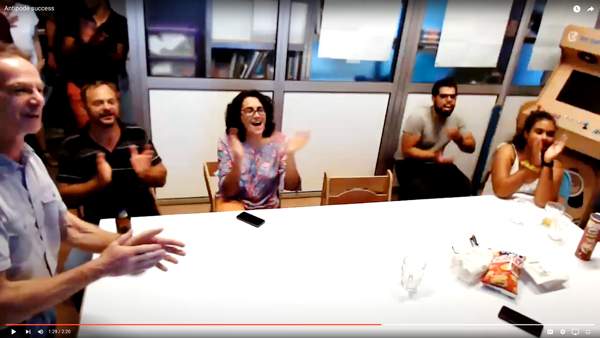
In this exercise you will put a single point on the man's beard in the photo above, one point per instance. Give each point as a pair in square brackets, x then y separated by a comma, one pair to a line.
[441, 112]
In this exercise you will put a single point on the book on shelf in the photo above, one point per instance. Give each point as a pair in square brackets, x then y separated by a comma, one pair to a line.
[232, 65]
[256, 60]
[250, 65]
[244, 70]
[290, 62]
[262, 61]
[247, 65]
[239, 66]
[294, 66]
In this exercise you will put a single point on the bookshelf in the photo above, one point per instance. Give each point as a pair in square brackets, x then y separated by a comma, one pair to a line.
[171, 51]
[205, 46]
[252, 46]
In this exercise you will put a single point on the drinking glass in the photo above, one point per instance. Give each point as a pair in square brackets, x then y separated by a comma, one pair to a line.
[520, 211]
[558, 229]
[554, 212]
[413, 270]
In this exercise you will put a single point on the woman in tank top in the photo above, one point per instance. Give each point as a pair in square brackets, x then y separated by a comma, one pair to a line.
[528, 164]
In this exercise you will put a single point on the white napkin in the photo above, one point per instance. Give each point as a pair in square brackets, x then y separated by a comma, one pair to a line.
[470, 266]
[543, 275]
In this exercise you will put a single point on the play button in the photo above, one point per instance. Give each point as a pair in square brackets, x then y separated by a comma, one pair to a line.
[12, 332]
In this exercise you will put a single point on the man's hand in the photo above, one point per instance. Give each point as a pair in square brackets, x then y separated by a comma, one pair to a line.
[454, 134]
[297, 142]
[87, 30]
[104, 169]
[119, 259]
[555, 149]
[439, 158]
[236, 146]
[170, 246]
[141, 162]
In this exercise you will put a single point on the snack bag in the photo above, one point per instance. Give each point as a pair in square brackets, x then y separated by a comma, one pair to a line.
[504, 272]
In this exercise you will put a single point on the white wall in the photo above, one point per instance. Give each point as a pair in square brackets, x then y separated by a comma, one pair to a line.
[186, 127]
[345, 130]
[507, 124]
[476, 111]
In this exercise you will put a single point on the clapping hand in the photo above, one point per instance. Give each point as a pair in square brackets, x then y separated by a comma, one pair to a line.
[297, 142]
[439, 158]
[141, 162]
[555, 149]
[453, 133]
[236, 145]
[134, 255]
[170, 246]
[536, 153]
[104, 170]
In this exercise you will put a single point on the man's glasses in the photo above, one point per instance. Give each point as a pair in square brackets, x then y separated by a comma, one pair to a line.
[250, 111]
[445, 96]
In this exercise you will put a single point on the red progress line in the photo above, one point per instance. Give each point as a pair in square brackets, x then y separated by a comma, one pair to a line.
[195, 325]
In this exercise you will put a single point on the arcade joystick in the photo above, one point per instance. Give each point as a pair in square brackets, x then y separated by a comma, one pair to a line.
[585, 125]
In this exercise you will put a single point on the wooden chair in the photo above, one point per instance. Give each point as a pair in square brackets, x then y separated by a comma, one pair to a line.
[212, 183]
[348, 190]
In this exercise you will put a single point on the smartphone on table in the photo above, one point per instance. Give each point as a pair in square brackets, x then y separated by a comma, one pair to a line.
[521, 321]
[250, 219]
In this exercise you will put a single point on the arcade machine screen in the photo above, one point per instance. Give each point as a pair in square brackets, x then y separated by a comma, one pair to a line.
[581, 91]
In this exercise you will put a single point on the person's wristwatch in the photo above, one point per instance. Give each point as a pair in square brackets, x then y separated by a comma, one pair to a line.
[549, 165]
[544, 164]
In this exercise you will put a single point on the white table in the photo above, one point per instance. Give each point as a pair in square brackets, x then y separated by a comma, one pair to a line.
[341, 265]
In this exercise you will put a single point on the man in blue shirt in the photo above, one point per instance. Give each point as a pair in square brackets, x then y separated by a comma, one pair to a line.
[34, 220]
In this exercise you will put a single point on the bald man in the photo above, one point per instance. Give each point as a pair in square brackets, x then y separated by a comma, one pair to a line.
[34, 220]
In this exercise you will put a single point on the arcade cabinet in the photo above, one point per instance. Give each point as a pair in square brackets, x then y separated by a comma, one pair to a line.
[572, 95]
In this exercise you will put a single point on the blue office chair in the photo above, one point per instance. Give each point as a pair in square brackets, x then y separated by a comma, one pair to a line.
[565, 186]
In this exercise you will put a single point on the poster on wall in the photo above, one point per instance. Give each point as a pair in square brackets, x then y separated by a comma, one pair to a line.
[473, 33]
[359, 30]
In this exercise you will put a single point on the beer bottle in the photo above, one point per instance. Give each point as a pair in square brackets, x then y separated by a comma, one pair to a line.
[123, 222]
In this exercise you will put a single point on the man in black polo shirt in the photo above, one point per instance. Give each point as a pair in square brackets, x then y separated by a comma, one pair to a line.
[108, 167]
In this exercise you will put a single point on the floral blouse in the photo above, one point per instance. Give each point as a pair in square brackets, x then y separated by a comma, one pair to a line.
[262, 173]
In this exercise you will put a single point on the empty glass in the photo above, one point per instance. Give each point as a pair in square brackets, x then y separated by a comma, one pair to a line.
[557, 229]
[520, 211]
[413, 270]
[554, 213]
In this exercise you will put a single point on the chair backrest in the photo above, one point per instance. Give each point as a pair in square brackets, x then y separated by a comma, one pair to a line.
[565, 186]
[349, 190]
[212, 184]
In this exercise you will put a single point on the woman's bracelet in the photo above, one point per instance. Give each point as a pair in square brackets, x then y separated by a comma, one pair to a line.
[529, 166]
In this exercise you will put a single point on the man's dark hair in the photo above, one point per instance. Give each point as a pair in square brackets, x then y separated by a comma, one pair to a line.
[447, 82]
[233, 116]
[95, 85]
[519, 139]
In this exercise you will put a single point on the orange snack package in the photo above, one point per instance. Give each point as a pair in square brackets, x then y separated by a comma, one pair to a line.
[504, 272]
